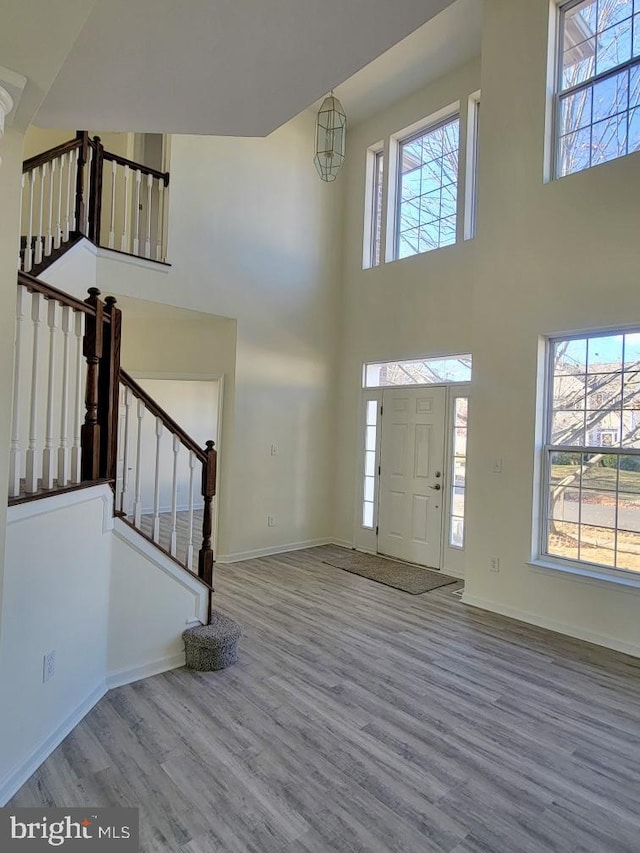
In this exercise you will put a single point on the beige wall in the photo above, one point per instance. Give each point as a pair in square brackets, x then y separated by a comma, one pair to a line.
[254, 235]
[549, 258]
[552, 257]
[418, 306]
[38, 139]
[158, 340]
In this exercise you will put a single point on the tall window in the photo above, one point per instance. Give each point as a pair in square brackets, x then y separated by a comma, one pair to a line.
[428, 189]
[471, 181]
[598, 101]
[376, 209]
[459, 472]
[369, 473]
[592, 451]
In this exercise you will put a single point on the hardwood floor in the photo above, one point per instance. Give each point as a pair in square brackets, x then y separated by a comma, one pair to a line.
[360, 718]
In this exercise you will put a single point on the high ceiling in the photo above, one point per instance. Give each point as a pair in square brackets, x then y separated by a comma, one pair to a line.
[228, 67]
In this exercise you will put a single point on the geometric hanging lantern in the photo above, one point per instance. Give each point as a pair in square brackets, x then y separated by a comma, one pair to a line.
[331, 133]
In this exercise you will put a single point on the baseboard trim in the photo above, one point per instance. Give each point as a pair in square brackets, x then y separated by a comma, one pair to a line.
[121, 677]
[275, 549]
[16, 779]
[574, 631]
[342, 543]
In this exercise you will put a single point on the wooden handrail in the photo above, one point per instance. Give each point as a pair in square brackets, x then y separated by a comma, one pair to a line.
[51, 154]
[97, 440]
[159, 412]
[146, 170]
[49, 292]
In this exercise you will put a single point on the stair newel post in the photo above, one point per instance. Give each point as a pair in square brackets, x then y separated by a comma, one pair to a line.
[109, 389]
[205, 557]
[83, 156]
[92, 351]
[95, 200]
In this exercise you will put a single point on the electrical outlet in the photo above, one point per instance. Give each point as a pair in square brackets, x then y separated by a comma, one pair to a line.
[271, 521]
[497, 466]
[48, 666]
[274, 450]
[494, 564]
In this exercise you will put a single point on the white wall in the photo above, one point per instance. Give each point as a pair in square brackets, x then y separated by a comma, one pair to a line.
[107, 602]
[56, 597]
[417, 306]
[548, 258]
[151, 601]
[255, 235]
[551, 258]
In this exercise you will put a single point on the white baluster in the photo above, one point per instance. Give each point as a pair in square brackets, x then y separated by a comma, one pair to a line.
[15, 454]
[32, 468]
[58, 234]
[173, 547]
[78, 415]
[124, 499]
[124, 242]
[136, 228]
[192, 465]
[147, 244]
[137, 505]
[28, 253]
[63, 449]
[112, 221]
[71, 191]
[122, 417]
[49, 240]
[40, 243]
[67, 159]
[156, 485]
[160, 236]
[48, 456]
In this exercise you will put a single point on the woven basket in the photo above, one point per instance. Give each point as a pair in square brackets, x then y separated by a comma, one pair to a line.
[214, 646]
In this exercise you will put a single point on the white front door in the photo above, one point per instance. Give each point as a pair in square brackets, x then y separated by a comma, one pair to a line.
[411, 474]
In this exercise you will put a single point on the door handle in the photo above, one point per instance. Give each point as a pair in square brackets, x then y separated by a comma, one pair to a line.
[437, 487]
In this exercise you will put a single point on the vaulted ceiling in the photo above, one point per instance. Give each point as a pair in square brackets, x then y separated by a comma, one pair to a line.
[225, 67]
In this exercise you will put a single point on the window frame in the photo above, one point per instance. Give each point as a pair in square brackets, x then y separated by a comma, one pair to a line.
[558, 94]
[416, 131]
[541, 557]
[374, 154]
[471, 171]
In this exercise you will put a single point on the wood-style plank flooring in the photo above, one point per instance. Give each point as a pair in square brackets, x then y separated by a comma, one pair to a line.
[360, 718]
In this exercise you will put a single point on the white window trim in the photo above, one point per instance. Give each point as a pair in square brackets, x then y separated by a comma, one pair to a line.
[471, 170]
[368, 219]
[539, 559]
[441, 116]
[554, 75]
[431, 357]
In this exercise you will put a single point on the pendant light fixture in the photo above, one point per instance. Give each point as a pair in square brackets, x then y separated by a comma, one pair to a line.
[331, 133]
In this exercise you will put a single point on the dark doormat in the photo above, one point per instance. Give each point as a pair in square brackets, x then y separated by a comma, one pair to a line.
[405, 576]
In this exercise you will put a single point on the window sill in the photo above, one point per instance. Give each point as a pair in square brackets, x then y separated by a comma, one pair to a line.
[586, 573]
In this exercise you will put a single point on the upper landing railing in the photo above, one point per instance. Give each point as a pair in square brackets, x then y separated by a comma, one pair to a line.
[79, 189]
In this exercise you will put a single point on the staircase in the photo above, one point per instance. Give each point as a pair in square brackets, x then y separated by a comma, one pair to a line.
[78, 189]
[78, 418]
